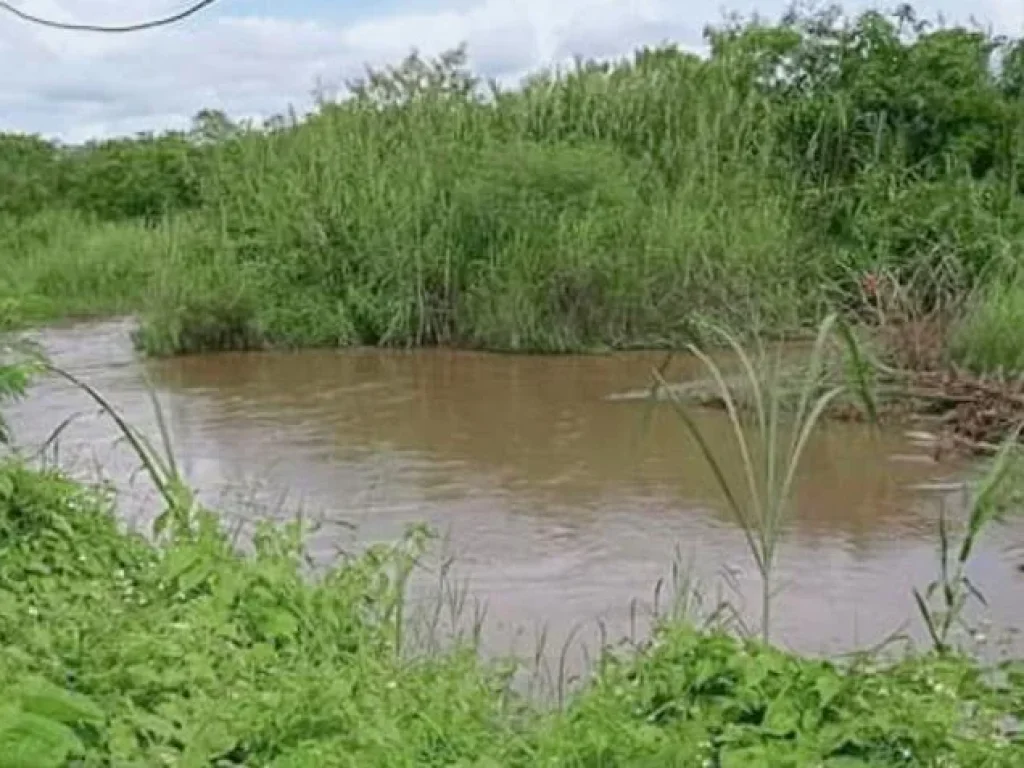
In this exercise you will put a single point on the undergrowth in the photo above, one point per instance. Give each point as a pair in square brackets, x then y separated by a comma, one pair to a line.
[115, 650]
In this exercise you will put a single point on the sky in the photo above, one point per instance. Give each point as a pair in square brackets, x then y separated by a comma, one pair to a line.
[255, 58]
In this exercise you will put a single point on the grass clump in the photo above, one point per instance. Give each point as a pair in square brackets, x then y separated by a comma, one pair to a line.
[990, 337]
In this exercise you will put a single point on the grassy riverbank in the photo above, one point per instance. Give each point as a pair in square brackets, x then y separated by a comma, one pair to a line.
[119, 651]
[175, 648]
[607, 206]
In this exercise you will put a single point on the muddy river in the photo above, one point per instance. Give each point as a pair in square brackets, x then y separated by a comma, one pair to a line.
[559, 506]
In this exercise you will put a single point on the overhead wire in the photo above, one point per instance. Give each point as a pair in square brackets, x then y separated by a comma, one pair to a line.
[115, 29]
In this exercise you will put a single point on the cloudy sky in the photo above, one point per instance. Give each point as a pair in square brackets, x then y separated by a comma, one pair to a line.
[255, 57]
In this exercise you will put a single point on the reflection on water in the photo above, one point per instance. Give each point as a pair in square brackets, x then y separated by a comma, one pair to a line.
[561, 505]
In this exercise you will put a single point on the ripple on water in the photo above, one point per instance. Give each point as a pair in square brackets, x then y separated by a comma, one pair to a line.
[561, 506]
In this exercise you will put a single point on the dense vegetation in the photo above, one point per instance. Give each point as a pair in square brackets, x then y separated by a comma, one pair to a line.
[871, 166]
[610, 205]
[118, 651]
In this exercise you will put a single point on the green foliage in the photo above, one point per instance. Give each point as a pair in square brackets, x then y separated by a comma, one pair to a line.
[27, 174]
[132, 178]
[15, 375]
[194, 654]
[712, 700]
[143, 177]
[990, 336]
[42, 725]
[608, 205]
[63, 264]
[117, 651]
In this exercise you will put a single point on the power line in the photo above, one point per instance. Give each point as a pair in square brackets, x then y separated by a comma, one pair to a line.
[191, 10]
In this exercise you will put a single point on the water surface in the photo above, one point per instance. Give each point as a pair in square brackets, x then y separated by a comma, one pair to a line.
[561, 506]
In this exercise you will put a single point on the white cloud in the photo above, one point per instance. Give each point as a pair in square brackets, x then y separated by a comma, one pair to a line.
[77, 86]
[1008, 15]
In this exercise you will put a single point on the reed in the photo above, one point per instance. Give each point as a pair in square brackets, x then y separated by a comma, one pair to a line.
[770, 436]
[605, 205]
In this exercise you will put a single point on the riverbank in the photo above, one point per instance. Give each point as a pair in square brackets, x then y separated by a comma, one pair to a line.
[606, 207]
[118, 649]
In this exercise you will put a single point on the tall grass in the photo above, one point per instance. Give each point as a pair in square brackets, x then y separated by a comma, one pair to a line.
[601, 206]
[770, 443]
[990, 336]
[489, 226]
[61, 264]
[597, 207]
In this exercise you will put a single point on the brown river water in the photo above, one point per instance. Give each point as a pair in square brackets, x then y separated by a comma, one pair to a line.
[560, 507]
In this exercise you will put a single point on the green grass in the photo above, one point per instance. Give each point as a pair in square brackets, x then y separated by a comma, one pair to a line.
[522, 246]
[63, 264]
[600, 207]
[540, 222]
[118, 651]
[990, 336]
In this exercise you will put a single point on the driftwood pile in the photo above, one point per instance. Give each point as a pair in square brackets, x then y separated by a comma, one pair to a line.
[973, 413]
[964, 412]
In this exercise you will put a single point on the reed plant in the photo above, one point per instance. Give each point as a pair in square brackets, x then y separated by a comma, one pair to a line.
[602, 205]
[943, 603]
[770, 424]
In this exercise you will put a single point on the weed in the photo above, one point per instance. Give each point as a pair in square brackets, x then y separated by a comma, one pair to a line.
[759, 502]
[17, 367]
[943, 602]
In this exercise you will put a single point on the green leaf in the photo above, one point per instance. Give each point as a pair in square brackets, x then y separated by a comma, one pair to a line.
[206, 743]
[41, 697]
[155, 726]
[30, 741]
[748, 757]
[783, 716]
[828, 687]
[278, 623]
[6, 487]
